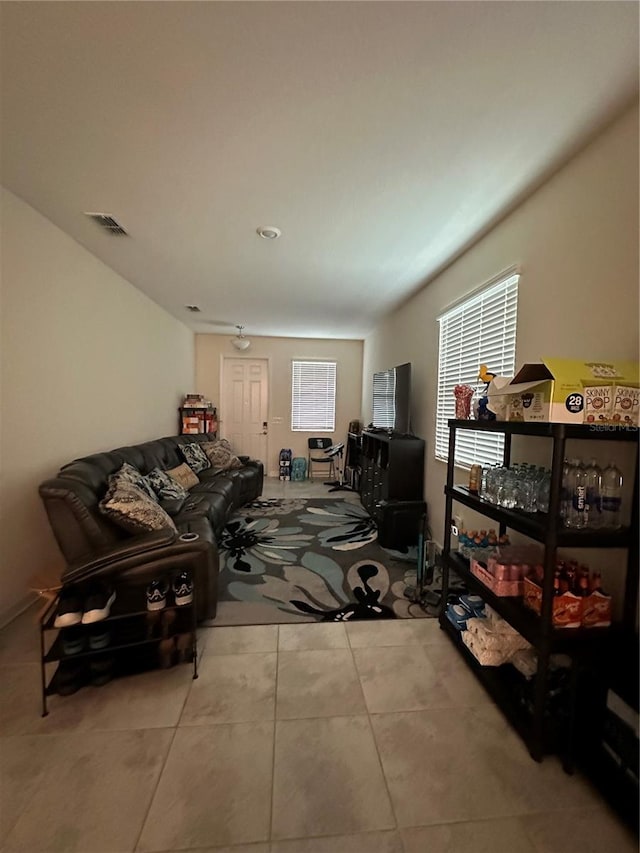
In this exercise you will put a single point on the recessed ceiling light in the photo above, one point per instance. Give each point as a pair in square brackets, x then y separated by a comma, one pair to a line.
[269, 232]
[193, 308]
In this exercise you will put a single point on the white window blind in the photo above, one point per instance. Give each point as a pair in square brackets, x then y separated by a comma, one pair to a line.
[480, 330]
[313, 396]
[384, 398]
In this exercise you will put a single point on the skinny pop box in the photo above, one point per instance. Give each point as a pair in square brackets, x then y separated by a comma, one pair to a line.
[567, 391]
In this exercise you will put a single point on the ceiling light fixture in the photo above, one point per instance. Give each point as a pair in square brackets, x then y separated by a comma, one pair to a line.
[240, 342]
[269, 232]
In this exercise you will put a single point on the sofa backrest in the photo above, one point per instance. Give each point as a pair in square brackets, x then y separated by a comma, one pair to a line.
[71, 498]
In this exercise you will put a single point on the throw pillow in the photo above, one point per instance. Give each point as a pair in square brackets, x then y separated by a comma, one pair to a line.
[128, 506]
[195, 457]
[165, 487]
[220, 455]
[132, 475]
[184, 475]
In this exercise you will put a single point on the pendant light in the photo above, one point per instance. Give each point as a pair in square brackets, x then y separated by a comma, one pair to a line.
[240, 342]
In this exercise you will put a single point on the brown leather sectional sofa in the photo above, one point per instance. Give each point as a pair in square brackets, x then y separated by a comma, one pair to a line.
[94, 546]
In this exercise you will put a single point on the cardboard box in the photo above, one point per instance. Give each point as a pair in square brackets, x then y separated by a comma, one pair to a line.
[503, 588]
[596, 611]
[562, 390]
[567, 608]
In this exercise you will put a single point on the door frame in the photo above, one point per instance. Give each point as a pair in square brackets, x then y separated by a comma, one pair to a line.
[224, 357]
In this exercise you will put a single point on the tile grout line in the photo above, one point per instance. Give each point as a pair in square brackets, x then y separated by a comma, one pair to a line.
[164, 763]
[375, 742]
[273, 747]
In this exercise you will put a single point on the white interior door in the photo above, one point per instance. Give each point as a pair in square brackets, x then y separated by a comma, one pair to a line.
[245, 395]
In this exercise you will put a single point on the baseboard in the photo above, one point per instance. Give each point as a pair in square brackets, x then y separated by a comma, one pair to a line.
[11, 613]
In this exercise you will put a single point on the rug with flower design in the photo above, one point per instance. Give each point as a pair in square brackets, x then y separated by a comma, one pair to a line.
[305, 560]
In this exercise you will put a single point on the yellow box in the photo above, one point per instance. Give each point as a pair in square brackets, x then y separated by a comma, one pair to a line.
[563, 390]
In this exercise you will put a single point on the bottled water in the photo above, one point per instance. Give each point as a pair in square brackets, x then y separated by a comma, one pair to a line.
[580, 515]
[565, 494]
[611, 496]
[594, 510]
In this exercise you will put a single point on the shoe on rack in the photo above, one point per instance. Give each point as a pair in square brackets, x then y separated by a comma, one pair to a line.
[73, 640]
[69, 610]
[157, 595]
[473, 603]
[70, 677]
[183, 589]
[184, 646]
[99, 638]
[101, 670]
[97, 604]
[167, 652]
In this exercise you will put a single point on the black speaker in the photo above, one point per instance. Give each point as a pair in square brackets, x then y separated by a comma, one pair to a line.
[400, 523]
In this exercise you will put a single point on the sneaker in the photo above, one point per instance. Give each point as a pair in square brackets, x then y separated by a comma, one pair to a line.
[101, 671]
[97, 604]
[183, 589]
[69, 610]
[73, 640]
[458, 616]
[70, 677]
[157, 595]
[99, 638]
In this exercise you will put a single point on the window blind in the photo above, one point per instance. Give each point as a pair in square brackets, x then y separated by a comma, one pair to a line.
[313, 396]
[480, 330]
[384, 398]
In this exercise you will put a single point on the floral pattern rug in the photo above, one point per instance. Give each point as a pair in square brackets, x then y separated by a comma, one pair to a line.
[305, 560]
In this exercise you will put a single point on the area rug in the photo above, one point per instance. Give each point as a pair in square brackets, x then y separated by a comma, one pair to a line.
[309, 560]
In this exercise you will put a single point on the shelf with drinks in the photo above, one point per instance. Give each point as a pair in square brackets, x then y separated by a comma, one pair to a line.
[541, 628]
[536, 525]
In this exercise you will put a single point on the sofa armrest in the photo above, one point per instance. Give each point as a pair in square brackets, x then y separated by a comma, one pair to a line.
[244, 459]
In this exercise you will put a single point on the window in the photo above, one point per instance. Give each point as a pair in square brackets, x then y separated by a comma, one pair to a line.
[480, 330]
[313, 396]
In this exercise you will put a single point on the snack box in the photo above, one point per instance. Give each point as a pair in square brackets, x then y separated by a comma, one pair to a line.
[567, 608]
[596, 611]
[562, 390]
[499, 586]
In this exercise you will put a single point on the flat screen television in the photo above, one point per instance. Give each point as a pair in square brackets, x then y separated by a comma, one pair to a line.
[392, 399]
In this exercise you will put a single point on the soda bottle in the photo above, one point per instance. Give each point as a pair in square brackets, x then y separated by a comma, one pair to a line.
[611, 496]
[594, 510]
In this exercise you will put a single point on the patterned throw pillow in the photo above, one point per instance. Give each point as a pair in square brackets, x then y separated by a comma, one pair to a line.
[165, 487]
[220, 455]
[184, 475]
[129, 506]
[195, 457]
[132, 475]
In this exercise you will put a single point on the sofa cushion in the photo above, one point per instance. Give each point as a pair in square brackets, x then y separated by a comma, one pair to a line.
[132, 475]
[130, 508]
[214, 507]
[195, 457]
[164, 486]
[220, 455]
[183, 475]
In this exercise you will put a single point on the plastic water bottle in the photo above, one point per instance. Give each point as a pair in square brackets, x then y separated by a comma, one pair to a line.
[611, 496]
[565, 494]
[580, 515]
[594, 510]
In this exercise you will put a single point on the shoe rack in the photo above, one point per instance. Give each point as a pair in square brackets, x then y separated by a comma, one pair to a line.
[131, 639]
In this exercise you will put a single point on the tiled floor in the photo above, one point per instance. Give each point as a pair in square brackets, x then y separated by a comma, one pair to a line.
[300, 738]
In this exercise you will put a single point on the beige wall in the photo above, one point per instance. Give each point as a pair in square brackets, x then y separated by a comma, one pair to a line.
[88, 363]
[281, 352]
[576, 243]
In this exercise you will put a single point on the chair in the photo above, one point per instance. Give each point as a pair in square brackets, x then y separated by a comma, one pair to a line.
[319, 445]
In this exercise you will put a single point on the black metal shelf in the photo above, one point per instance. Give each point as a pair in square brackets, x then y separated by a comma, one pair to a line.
[590, 432]
[585, 646]
[524, 620]
[536, 525]
[501, 683]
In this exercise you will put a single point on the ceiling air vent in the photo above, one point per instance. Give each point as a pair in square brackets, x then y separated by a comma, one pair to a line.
[108, 223]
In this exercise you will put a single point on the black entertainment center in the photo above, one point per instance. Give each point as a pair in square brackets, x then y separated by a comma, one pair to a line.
[392, 485]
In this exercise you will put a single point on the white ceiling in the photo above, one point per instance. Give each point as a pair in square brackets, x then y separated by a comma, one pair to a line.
[380, 137]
